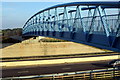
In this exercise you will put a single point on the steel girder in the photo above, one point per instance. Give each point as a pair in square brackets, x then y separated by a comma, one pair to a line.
[84, 22]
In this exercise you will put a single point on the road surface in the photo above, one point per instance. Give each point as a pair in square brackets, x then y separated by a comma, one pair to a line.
[51, 69]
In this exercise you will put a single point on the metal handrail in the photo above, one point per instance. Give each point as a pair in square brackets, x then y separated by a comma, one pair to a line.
[62, 74]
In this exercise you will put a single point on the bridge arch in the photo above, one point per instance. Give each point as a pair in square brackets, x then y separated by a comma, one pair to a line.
[89, 23]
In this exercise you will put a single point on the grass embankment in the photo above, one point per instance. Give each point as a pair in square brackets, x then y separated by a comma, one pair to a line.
[32, 48]
[47, 47]
[52, 40]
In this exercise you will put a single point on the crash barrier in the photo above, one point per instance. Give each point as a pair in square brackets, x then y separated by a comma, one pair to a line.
[109, 73]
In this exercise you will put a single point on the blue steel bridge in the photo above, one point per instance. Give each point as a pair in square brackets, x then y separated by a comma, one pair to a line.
[92, 23]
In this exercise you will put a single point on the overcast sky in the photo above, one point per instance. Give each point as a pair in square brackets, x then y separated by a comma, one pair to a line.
[16, 12]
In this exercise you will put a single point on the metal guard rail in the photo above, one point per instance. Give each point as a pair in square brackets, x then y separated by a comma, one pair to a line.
[63, 74]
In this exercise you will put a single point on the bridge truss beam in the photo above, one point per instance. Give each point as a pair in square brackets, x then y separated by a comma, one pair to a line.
[92, 23]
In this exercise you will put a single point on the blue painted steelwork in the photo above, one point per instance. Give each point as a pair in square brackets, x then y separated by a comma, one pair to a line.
[89, 23]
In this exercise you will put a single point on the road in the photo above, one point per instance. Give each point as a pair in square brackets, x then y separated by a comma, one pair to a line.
[51, 69]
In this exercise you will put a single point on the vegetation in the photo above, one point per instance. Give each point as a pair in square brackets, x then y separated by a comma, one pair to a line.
[10, 40]
[7, 33]
[52, 40]
[12, 32]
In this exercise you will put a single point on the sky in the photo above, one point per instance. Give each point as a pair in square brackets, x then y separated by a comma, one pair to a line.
[14, 13]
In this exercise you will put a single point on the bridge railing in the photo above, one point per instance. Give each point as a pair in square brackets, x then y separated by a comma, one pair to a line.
[110, 73]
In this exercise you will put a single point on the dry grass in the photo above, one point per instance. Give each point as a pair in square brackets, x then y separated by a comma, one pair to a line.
[34, 48]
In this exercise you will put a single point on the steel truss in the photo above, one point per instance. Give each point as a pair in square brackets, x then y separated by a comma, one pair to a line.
[71, 21]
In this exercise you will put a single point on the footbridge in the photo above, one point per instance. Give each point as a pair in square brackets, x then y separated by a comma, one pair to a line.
[92, 23]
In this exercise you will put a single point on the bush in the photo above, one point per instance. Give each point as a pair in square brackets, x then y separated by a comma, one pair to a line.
[52, 40]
